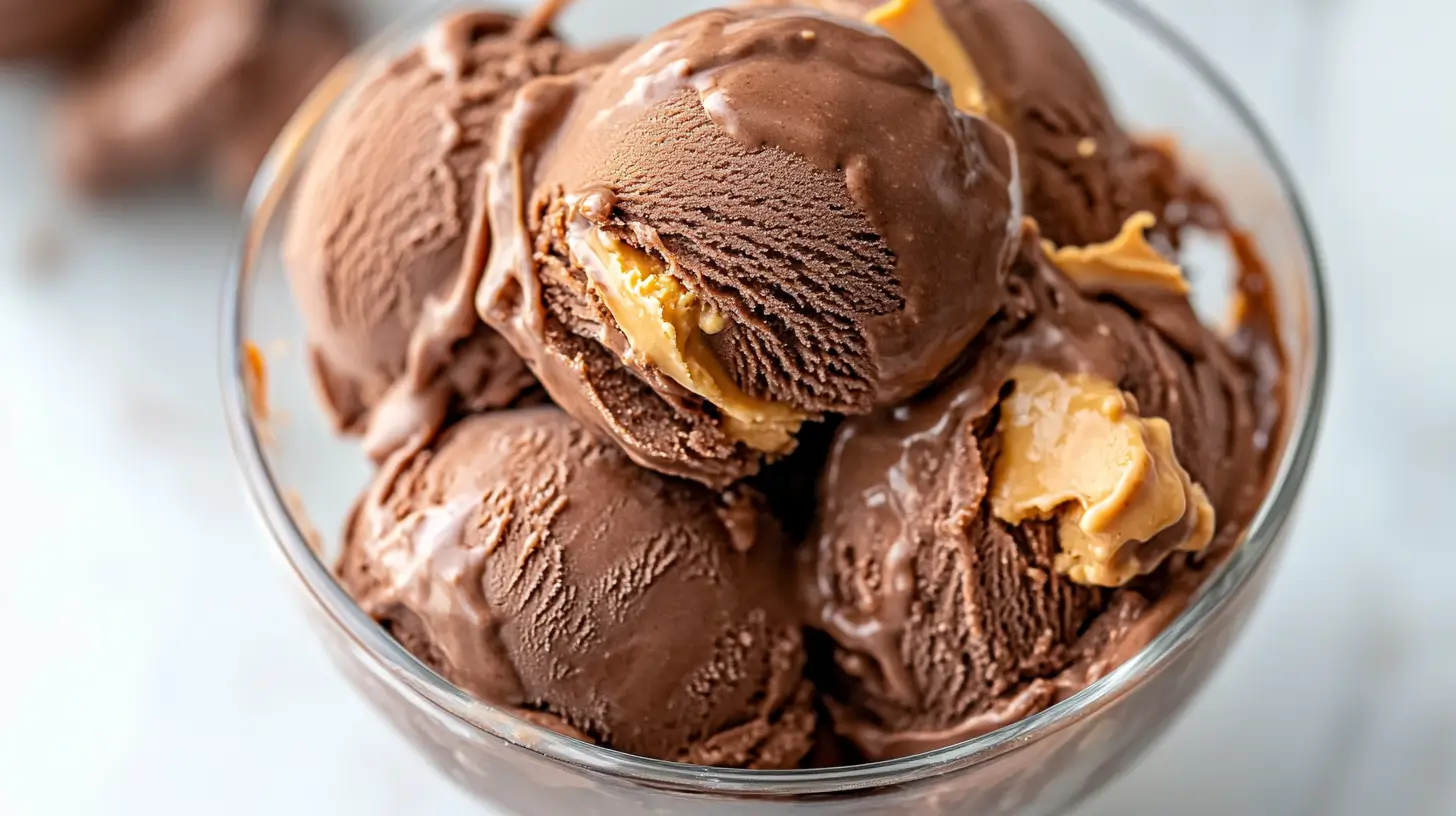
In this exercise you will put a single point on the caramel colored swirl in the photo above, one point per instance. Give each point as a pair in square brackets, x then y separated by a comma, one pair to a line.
[665, 324]
[1075, 447]
[1128, 260]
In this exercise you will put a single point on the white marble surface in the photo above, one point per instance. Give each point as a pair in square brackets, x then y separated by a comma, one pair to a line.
[153, 662]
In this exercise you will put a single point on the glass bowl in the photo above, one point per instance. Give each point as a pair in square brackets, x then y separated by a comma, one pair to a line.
[303, 479]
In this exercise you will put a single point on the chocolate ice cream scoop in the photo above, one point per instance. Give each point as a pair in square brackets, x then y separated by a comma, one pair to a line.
[1005, 59]
[531, 563]
[1082, 173]
[751, 219]
[194, 83]
[984, 550]
[37, 29]
[385, 211]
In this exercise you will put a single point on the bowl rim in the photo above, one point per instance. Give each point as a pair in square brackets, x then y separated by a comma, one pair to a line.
[269, 499]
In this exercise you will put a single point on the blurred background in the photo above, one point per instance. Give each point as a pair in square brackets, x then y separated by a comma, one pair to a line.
[153, 661]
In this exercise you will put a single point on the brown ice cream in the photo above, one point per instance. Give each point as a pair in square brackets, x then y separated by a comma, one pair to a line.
[772, 265]
[39, 29]
[1083, 175]
[385, 211]
[981, 550]
[751, 219]
[1005, 59]
[531, 563]
[194, 83]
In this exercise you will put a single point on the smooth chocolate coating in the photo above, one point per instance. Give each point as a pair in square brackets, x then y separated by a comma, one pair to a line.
[1082, 174]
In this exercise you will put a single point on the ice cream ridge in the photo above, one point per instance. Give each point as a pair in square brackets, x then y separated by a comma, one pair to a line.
[800, 381]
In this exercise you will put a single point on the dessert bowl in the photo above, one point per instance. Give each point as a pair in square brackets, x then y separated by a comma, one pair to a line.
[303, 480]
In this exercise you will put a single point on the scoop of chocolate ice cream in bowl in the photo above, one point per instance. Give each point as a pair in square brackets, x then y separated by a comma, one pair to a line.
[858, 406]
